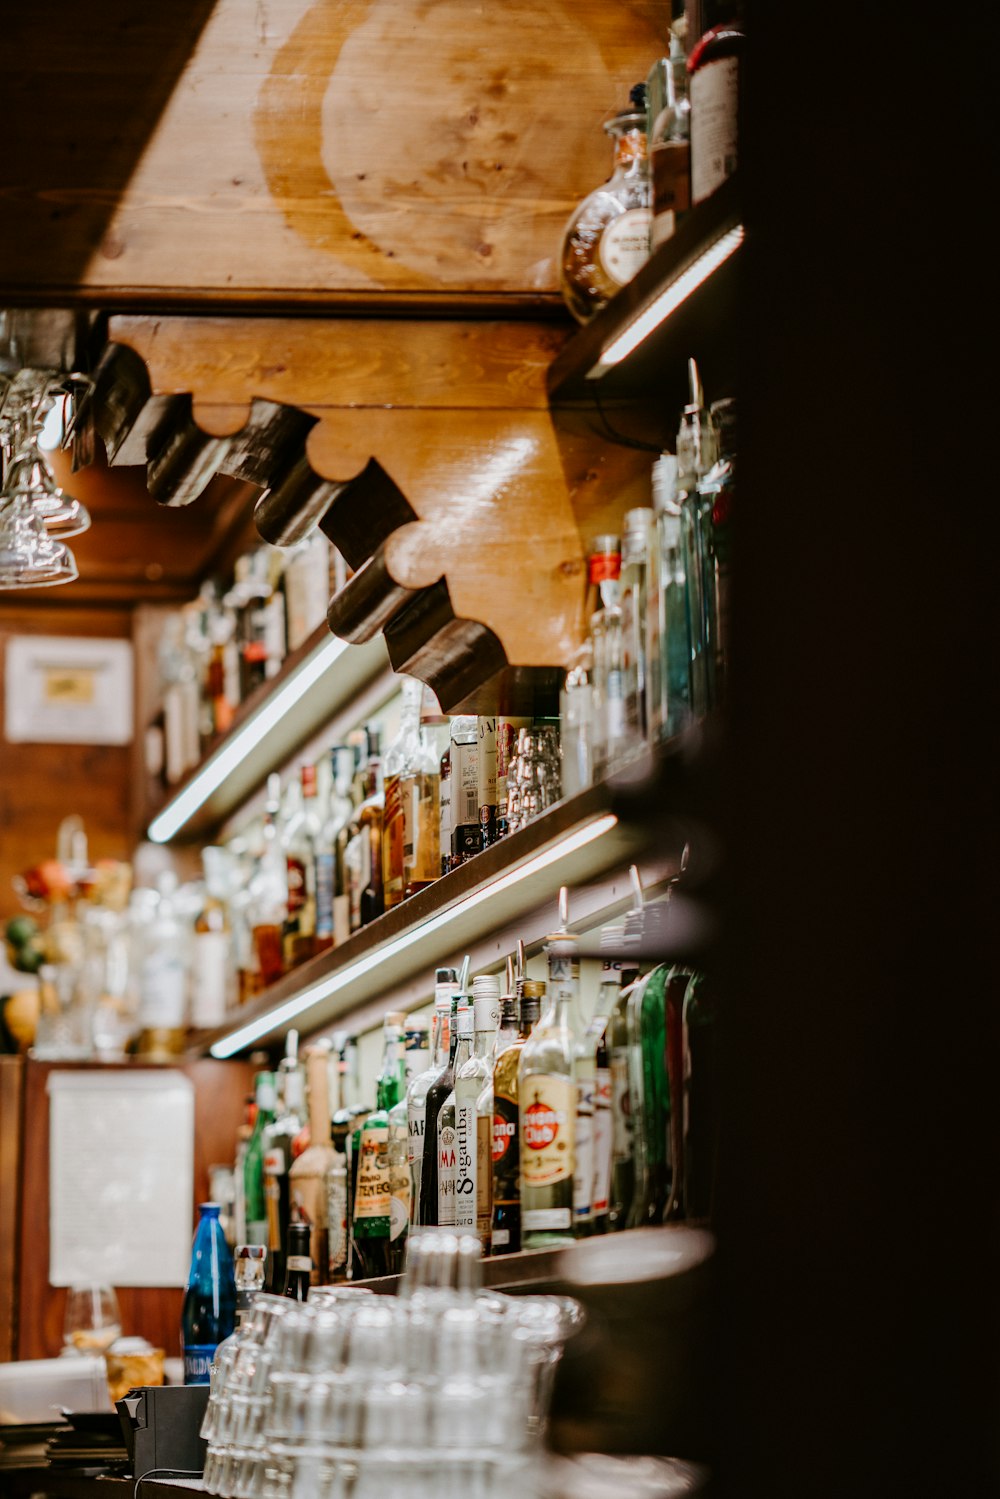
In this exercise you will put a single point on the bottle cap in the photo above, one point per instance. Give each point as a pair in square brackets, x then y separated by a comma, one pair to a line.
[664, 482]
[486, 1001]
[308, 773]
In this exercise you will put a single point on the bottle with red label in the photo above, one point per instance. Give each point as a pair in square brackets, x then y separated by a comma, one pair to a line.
[553, 1144]
[714, 85]
[506, 1235]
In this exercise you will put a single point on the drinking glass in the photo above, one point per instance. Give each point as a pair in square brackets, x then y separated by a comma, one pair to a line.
[93, 1321]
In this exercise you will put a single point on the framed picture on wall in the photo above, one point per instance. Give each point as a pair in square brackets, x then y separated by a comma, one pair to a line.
[67, 691]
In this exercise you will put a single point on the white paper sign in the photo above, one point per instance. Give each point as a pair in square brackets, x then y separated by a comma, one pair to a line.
[121, 1177]
[68, 691]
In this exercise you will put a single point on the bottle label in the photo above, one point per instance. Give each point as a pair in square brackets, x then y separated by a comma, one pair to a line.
[399, 1214]
[484, 1177]
[336, 1212]
[602, 1141]
[371, 1199]
[341, 918]
[543, 1220]
[447, 1167]
[198, 1360]
[500, 1238]
[504, 1129]
[296, 885]
[209, 973]
[506, 747]
[548, 1120]
[625, 244]
[466, 834]
[274, 1162]
[299, 1262]
[466, 1164]
[583, 1154]
[161, 1001]
[714, 141]
[417, 1053]
[621, 1106]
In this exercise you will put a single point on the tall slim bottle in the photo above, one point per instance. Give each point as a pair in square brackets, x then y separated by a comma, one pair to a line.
[506, 1237]
[547, 1105]
[445, 983]
[278, 1138]
[622, 1121]
[634, 598]
[333, 902]
[300, 840]
[472, 1188]
[209, 1310]
[697, 449]
[650, 1097]
[505, 1036]
[269, 893]
[667, 625]
[309, 1172]
[400, 757]
[436, 1097]
[701, 1110]
[373, 1198]
[253, 1160]
[447, 1123]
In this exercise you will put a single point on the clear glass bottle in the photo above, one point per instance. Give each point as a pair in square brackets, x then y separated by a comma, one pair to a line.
[697, 450]
[609, 732]
[445, 985]
[547, 1105]
[506, 1236]
[576, 711]
[213, 976]
[333, 901]
[507, 730]
[300, 838]
[668, 133]
[506, 1035]
[607, 238]
[249, 1266]
[269, 893]
[668, 676]
[400, 757]
[447, 1121]
[635, 565]
[364, 849]
[163, 976]
[473, 1195]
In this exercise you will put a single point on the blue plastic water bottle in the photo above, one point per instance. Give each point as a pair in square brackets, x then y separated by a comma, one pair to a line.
[210, 1299]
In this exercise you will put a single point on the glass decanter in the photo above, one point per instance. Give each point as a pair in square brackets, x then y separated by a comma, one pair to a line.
[608, 236]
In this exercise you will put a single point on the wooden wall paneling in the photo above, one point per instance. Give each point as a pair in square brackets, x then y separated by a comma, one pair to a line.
[153, 1312]
[264, 158]
[11, 1079]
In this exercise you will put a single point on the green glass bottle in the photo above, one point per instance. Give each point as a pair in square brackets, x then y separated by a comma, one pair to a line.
[253, 1160]
[650, 1098]
[701, 1117]
[372, 1218]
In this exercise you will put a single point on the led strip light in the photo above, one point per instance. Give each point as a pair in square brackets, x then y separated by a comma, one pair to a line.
[325, 988]
[669, 299]
[228, 756]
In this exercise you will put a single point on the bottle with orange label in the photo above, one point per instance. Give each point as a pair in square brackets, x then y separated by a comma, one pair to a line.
[547, 1106]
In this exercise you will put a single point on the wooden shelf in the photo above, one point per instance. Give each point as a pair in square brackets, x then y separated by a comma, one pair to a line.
[577, 841]
[280, 735]
[652, 380]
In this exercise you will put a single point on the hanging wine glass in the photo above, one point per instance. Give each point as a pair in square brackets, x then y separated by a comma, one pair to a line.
[30, 476]
[29, 557]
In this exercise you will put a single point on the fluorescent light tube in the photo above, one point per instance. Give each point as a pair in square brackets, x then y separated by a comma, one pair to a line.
[324, 988]
[667, 302]
[228, 756]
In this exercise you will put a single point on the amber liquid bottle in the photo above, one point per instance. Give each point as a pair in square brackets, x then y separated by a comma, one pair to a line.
[506, 1235]
[713, 68]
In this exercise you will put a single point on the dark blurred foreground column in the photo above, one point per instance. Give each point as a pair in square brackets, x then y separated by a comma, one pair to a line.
[858, 1227]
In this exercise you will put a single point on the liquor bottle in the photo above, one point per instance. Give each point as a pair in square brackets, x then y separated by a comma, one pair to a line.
[607, 995]
[336, 1216]
[649, 1097]
[717, 494]
[372, 1217]
[307, 1177]
[253, 590]
[436, 1096]
[371, 897]
[677, 984]
[420, 788]
[333, 899]
[506, 744]
[635, 562]
[163, 977]
[604, 566]
[212, 974]
[445, 987]
[298, 1263]
[299, 839]
[607, 237]
[714, 82]
[248, 981]
[209, 1309]
[473, 1193]
[697, 450]
[307, 588]
[576, 714]
[486, 774]
[222, 700]
[253, 1161]
[400, 756]
[416, 1050]
[668, 134]
[668, 638]
[269, 892]
[701, 1118]
[400, 1187]
[609, 731]
[547, 1105]
[506, 1236]
[617, 1040]
[466, 834]
[447, 1122]
[505, 1035]
[444, 808]
[277, 1143]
